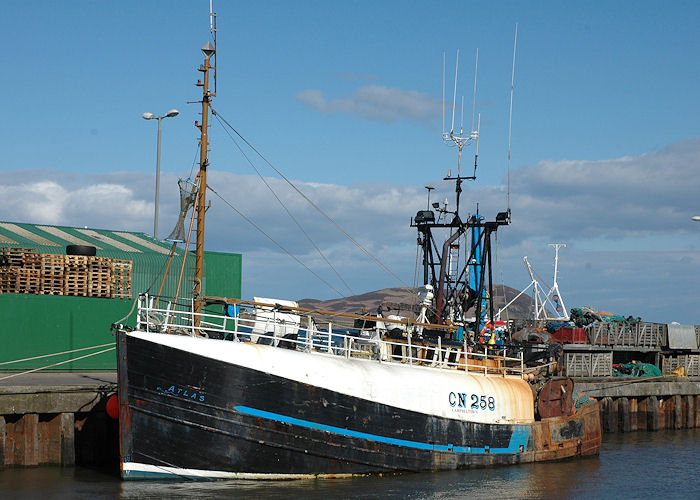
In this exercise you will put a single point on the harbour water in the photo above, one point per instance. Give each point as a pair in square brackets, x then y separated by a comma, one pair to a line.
[664, 464]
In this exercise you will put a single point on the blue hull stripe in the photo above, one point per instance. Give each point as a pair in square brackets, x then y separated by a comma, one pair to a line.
[519, 438]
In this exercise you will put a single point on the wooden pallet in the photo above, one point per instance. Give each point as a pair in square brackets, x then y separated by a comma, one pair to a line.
[99, 284]
[15, 256]
[121, 290]
[52, 282]
[31, 260]
[54, 288]
[52, 261]
[100, 277]
[100, 291]
[52, 273]
[100, 264]
[76, 262]
[8, 280]
[121, 267]
[75, 280]
[75, 283]
[28, 280]
[121, 279]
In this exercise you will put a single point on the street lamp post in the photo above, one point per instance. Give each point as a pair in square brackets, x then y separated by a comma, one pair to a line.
[151, 116]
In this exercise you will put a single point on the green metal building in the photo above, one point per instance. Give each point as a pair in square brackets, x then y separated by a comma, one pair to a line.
[34, 325]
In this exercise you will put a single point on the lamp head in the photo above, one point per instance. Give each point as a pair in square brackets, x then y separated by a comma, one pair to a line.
[172, 112]
[148, 116]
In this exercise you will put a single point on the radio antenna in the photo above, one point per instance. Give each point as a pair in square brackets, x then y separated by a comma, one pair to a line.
[478, 126]
[510, 117]
[476, 70]
[213, 31]
[454, 96]
[443, 92]
[476, 154]
[459, 139]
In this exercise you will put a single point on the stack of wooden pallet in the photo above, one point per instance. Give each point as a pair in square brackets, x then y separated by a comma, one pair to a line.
[14, 257]
[121, 279]
[20, 270]
[29, 275]
[8, 280]
[76, 276]
[99, 277]
[52, 273]
[23, 270]
[8, 271]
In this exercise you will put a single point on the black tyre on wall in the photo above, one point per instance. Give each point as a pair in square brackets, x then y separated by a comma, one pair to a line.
[81, 250]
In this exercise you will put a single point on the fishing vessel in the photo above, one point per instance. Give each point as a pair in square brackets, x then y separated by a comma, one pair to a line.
[215, 387]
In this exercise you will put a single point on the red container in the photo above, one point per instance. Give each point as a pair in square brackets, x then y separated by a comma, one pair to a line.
[570, 335]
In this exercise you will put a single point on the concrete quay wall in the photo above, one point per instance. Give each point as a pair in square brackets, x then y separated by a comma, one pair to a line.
[61, 418]
[638, 404]
[57, 419]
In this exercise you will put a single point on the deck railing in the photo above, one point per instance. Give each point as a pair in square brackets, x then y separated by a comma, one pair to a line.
[325, 335]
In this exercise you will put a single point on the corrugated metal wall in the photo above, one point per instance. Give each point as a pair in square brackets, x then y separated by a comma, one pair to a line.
[33, 325]
[37, 325]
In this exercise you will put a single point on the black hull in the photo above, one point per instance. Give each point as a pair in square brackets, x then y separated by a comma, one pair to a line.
[183, 414]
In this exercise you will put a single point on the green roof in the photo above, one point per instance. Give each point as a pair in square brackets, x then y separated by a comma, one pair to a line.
[149, 255]
[54, 239]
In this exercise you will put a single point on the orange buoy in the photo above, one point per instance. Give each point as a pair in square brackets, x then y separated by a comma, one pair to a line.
[112, 406]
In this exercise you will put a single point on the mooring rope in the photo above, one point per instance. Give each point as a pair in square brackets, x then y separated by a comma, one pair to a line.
[60, 362]
[55, 354]
[133, 306]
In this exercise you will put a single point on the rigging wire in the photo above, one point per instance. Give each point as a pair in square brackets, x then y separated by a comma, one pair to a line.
[261, 230]
[161, 272]
[318, 209]
[194, 160]
[510, 117]
[415, 268]
[503, 285]
[308, 237]
[414, 296]
[540, 279]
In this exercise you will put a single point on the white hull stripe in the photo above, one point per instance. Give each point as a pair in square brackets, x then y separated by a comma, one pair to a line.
[518, 440]
[431, 391]
[135, 470]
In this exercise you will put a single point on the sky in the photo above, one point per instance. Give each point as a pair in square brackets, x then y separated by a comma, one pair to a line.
[345, 99]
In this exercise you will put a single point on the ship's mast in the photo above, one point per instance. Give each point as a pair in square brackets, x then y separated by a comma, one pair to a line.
[457, 291]
[198, 288]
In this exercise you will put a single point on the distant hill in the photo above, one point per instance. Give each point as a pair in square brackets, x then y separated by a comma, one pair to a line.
[369, 301]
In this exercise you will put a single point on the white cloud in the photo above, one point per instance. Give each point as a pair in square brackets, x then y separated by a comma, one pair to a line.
[42, 200]
[376, 102]
[73, 202]
[649, 193]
